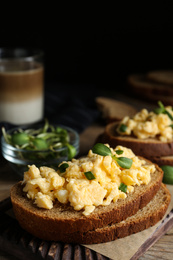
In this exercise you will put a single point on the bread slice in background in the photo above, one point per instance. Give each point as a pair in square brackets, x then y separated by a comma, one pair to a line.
[163, 160]
[149, 87]
[157, 151]
[63, 219]
[114, 110]
[161, 76]
[143, 85]
[147, 148]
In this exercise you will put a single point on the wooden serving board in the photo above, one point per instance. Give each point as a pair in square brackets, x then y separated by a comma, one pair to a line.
[17, 242]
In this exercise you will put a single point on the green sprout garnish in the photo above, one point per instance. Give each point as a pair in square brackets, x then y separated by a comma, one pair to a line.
[162, 110]
[62, 168]
[20, 139]
[89, 175]
[122, 128]
[123, 187]
[119, 152]
[45, 138]
[123, 162]
[103, 150]
[71, 151]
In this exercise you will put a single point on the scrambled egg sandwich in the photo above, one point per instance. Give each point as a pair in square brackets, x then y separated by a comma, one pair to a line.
[108, 194]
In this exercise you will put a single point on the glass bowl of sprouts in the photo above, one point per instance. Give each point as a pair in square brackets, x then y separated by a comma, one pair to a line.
[41, 145]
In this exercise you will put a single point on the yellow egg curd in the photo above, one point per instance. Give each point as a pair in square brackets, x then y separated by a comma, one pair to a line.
[147, 124]
[45, 185]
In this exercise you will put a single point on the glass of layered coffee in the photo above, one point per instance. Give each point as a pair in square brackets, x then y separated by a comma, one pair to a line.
[21, 85]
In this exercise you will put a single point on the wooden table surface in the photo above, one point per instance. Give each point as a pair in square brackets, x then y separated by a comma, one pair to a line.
[162, 249]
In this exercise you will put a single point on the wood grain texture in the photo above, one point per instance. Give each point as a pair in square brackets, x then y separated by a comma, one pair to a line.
[164, 227]
[162, 249]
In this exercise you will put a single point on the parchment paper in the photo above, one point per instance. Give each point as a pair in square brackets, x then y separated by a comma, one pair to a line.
[125, 248]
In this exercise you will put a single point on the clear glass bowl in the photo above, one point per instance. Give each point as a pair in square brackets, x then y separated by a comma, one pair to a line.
[19, 159]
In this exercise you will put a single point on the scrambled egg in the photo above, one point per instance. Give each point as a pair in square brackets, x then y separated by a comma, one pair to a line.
[45, 185]
[147, 124]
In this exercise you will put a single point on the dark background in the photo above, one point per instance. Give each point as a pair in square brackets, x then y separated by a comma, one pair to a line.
[90, 51]
[99, 52]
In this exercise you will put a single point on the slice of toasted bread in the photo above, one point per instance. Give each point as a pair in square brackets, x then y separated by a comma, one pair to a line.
[152, 91]
[147, 148]
[165, 99]
[114, 110]
[163, 160]
[144, 218]
[62, 218]
[161, 76]
[141, 84]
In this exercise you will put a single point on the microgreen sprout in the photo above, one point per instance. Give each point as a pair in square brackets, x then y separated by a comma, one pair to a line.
[44, 138]
[103, 150]
[62, 168]
[119, 152]
[89, 175]
[122, 128]
[162, 110]
[123, 187]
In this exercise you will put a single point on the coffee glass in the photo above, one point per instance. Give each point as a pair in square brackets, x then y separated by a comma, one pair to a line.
[21, 85]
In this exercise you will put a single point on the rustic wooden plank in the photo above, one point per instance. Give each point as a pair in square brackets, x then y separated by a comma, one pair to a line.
[55, 251]
[78, 253]
[163, 249]
[43, 249]
[165, 225]
[67, 252]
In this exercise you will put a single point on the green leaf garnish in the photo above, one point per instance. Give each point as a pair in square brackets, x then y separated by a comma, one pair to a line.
[89, 175]
[101, 149]
[170, 116]
[168, 174]
[62, 168]
[123, 187]
[158, 110]
[122, 128]
[40, 144]
[123, 162]
[71, 151]
[119, 152]
[19, 138]
[162, 109]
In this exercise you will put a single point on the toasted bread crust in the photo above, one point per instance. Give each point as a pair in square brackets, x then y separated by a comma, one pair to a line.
[141, 84]
[149, 89]
[147, 148]
[163, 160]
[64, 219]
[113, 110]
[144, 218]
[161, 76]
